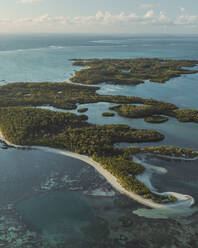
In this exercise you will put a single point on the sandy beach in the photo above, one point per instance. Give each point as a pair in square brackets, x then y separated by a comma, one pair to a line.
[183, 201]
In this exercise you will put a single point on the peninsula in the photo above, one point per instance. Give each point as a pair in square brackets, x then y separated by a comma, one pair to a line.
[23, 124]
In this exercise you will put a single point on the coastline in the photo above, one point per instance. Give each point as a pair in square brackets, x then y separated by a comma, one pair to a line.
[68, 81]
[183, 201]
[176, 158]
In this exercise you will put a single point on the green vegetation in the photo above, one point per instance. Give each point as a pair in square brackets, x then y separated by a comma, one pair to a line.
[146, 110]
[21, 124]
[108, 114]
[185, 115]
[156, 119]
[30, 126]
[82, 110]
[130, 71]
[38, 94]
[149, 109]
[163, 150]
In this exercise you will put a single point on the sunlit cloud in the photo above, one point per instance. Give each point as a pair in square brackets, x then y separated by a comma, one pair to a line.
[29, 1]
[186, 20]
[146, 6]
[182, 9]
[149, 14]
[102, 21]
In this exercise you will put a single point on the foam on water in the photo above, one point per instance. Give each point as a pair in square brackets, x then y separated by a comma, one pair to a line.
[165, 213]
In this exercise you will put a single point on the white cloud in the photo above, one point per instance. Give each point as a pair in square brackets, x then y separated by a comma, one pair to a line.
[186, 20]
[29, 1]
[182, 9]
[146, 6]
[102, 20]
[149, 14]
[162, 19]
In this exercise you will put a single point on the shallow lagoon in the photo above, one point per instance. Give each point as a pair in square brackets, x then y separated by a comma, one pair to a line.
[54, 215]
[181, 91]
[60, 215]
[181, 176]
[176, 133]
[48, 193]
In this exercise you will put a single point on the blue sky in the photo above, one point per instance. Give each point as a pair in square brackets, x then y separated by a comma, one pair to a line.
[99, 16]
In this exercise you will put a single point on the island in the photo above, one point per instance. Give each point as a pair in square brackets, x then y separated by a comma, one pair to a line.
[24, 123]
[150, 110]
[108, 114]
[82, 110]
[130, 71]
[156, 119]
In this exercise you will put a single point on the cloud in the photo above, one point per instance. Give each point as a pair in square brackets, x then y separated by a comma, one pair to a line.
[182, 9]
[146, 6]
[149, 14]
[104, 20]
[29, 1]
[186, 20]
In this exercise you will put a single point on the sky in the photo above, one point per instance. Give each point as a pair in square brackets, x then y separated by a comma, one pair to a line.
[99, 16]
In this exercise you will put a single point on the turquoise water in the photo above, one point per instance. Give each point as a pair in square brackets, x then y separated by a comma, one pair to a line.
[63, 215]
[48, 191]
[24, 171]
[45, 57]
[181, 91]
[176, 133]
[63, 212]
[181, 176]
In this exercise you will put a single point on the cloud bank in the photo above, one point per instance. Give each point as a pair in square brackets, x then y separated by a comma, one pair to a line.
[106, 20]
[29, 1]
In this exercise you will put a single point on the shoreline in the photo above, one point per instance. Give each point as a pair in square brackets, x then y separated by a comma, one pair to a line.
[183, 201]
[176, 158]
[68, 81]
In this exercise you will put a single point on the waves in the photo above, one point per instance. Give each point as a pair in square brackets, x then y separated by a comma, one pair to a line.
[56, 47]
[24, 50]
[183, 201]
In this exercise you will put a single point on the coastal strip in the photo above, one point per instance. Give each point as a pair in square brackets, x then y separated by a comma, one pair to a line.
[183, 201]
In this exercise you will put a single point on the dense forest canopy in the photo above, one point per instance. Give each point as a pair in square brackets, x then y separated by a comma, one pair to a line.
[60, 95]
[30, 126]
[22, 124]
[130, 71]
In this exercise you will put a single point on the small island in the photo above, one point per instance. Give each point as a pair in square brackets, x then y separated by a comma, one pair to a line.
[151, 109]
[108, 114]
[82, 110]
[156, 119]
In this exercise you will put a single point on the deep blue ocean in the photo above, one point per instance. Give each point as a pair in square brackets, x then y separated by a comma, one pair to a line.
[46, 58]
